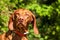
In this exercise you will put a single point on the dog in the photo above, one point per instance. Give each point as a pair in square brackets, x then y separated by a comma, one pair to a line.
[18, 25]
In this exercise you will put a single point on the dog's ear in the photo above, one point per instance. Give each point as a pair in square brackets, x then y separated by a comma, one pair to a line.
[34, 24]
[10, 23]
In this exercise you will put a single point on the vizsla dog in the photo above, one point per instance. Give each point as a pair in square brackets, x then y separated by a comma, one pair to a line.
[18, 25]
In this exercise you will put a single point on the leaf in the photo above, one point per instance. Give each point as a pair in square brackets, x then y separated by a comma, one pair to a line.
[53, 32]
[41, 38]
[46, 37]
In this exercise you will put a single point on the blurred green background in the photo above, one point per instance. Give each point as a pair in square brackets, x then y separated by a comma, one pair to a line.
[47, 14]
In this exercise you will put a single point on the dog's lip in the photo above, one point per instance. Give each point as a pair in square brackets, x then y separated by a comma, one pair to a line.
[19, 23]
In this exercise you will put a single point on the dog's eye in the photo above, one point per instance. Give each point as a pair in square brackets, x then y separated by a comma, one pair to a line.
[17, 12]
[17, 15]
[27, 14]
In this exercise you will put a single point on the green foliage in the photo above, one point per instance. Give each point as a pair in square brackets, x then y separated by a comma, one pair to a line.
[47, 15]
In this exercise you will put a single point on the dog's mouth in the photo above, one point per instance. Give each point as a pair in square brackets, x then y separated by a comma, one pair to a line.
[22, 27]
[21, 24]
[23, 30]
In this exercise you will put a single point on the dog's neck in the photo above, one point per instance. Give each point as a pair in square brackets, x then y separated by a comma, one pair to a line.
[18, 36]
[19, 33]
[15, 35]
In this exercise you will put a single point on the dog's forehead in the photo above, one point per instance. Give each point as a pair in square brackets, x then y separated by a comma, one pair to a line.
[23, 12]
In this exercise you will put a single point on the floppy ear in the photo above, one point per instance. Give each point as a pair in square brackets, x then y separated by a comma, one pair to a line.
[34, 25]
[10, 23]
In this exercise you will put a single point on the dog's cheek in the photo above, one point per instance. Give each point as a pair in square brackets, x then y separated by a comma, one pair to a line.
[11, 26]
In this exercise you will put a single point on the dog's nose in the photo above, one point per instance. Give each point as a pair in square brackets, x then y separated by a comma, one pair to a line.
[21, 20]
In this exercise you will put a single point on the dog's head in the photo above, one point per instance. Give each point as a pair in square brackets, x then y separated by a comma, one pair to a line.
[20, 19]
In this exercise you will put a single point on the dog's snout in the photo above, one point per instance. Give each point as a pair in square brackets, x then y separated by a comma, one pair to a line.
[21, 20]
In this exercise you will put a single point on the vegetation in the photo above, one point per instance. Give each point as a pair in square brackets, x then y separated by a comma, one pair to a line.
[47, 15]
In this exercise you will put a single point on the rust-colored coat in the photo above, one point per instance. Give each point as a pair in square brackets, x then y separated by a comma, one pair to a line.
[19, 21]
